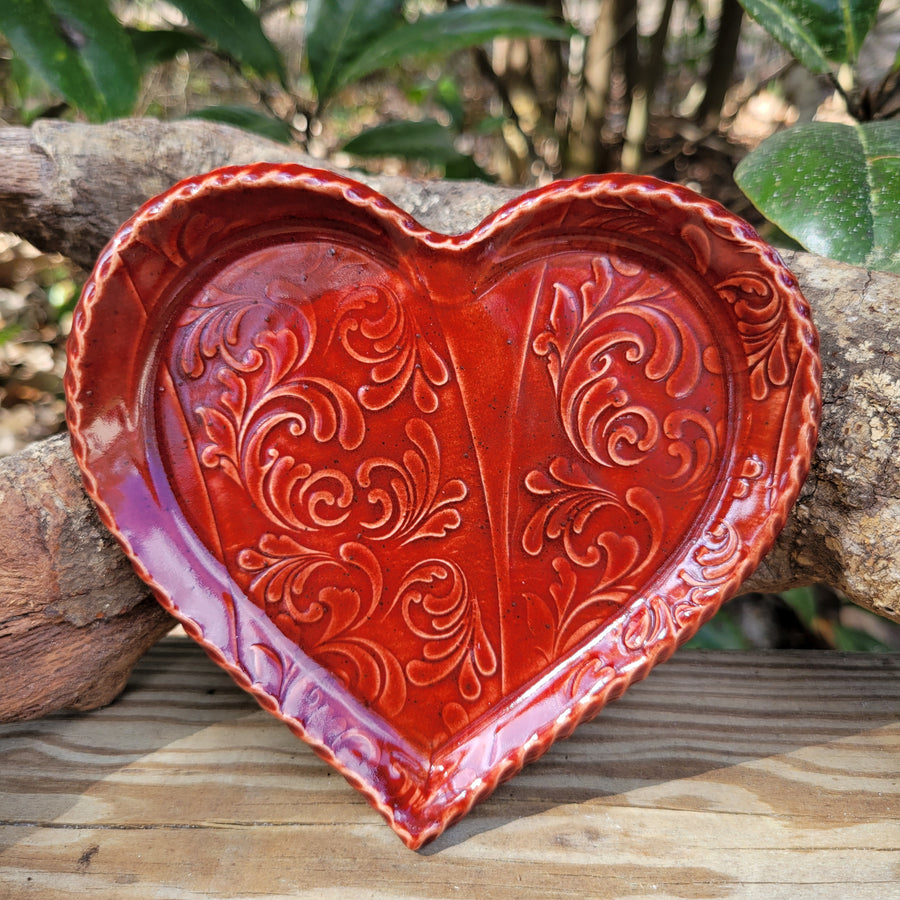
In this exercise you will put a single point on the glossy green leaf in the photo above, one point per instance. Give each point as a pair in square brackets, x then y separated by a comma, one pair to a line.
[31, 29]
[249, 119]
[817, 32]
[834, 188]
[231, 25]
[158, 46]
[79, 48]
[338, 31]
[453, 29]
[464, 167]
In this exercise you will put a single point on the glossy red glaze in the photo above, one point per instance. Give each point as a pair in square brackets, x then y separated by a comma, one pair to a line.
[435, 500]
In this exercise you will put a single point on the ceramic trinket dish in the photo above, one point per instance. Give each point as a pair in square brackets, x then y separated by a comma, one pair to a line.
[435, 500]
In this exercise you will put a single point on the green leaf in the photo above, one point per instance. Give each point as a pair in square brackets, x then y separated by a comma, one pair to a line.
[249, 119]
[453, 29]
[154, 47]
[233, 27]
[106, 50]
[427, 140]
[42, 60]
[465, 168]
[338, 31]
[816, 31]
[834, 188]
[79, 48]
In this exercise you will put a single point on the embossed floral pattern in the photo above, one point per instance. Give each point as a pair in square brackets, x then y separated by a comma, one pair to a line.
[374, 328]
[301, 374]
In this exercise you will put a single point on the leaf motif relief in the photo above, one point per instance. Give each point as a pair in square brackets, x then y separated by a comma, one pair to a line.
[253, 427]
[572, 498]
[598, 534]
[600, 416]
[371, 670]
[373, 327]
[329, 615]
[221, 425]
[412, 504]
[761, 324]
[190, 241]
[717, 557]
[569, 313]
[570, 614]
[280, 568]
[698, 240]
[595, 337]
[439, 607]
[646, 625]
[692, 441]
[752, 470]
[574, 503]
[261, 663]
[212, 327]
[602, 343]
[592, 679]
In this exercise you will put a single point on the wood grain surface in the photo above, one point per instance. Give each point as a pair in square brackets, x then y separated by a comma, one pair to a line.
[757, 775]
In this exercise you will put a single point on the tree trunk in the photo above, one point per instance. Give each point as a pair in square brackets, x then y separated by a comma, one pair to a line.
[73, 618]
[721, 68]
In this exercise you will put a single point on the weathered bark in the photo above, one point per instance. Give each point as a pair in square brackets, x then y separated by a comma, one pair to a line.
[845, 529]
[67, 187]
[74, 618]
[66, 591]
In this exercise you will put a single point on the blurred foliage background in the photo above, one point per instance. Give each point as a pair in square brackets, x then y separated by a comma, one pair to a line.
[785, 111]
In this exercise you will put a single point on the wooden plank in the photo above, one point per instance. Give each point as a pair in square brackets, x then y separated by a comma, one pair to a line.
[723, 775]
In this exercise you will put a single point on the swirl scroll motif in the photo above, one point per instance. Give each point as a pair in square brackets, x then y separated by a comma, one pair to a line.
[333, 597]
[714, 562]
[716, 557]
[266, 402]
[603, 344]
[587, 331]
[439, 606]
[761, 324]
[573, 499]
[374, 328]
[412, 502]
[318, 572]
[597, 532]
[290, 414]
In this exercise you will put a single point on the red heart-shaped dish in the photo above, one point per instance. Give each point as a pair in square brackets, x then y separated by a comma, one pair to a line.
[435, 500]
